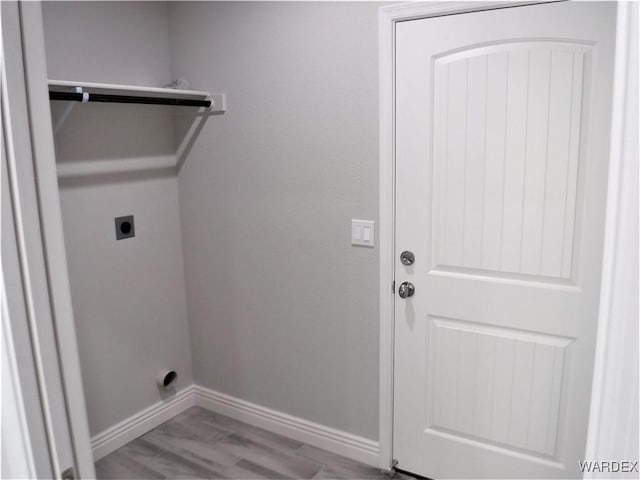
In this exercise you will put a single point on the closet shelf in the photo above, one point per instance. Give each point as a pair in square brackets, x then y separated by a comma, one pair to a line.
[104, 92]
[72, 91]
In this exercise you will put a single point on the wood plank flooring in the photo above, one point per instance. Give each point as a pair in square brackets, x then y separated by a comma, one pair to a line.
[202, 444]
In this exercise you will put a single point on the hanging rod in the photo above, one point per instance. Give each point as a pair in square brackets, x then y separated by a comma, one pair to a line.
[108, 98]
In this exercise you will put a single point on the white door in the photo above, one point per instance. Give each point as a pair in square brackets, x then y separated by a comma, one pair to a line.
[502, 134]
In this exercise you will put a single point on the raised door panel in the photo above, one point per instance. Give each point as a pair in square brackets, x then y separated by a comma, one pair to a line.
[506, 153]
[495, 385]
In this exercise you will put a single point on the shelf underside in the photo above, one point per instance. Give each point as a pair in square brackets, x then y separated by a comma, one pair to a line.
[133, 90]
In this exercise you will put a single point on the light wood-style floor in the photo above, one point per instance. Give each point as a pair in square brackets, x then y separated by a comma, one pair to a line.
[202, 444]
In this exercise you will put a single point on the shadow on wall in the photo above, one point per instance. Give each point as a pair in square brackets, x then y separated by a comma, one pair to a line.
[103, 144]
[112, 131]
[95, 179]
[187, 129]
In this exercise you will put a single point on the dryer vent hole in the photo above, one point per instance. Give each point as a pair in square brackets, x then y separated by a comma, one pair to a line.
[169, 379]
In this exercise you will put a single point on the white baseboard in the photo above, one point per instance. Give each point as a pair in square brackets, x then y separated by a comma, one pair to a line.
[131, 428]
[336, 441]
[327, 438]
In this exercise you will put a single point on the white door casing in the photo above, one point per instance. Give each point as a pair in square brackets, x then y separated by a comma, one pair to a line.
[613, 418]
[39, 328]
[502, 134]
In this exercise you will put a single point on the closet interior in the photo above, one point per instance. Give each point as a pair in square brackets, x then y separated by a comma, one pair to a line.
[207, 221]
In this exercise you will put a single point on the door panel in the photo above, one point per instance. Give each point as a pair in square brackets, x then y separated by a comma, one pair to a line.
[502, 131]
[479, 370]
[507, 157]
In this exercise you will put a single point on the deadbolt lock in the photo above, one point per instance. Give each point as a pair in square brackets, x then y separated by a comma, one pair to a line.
[407, 258]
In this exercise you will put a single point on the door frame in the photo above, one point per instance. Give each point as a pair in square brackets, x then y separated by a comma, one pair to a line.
[614, 399]
[388, 17]
[41, 276]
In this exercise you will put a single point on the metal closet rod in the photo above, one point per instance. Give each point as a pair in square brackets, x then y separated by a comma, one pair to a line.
[106, 98]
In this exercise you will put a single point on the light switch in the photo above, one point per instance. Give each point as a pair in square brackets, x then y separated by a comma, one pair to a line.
[363, 233]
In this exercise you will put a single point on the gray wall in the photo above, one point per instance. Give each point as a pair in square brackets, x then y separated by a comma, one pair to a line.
[129, 295]
[283, 310]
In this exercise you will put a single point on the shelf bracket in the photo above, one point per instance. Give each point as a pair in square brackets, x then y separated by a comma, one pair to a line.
[68, 109]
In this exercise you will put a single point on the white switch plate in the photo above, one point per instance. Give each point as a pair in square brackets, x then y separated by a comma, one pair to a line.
[363, 233]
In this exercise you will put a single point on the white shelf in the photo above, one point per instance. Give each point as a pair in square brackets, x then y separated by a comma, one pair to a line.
[217, 101]
[116, 89]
